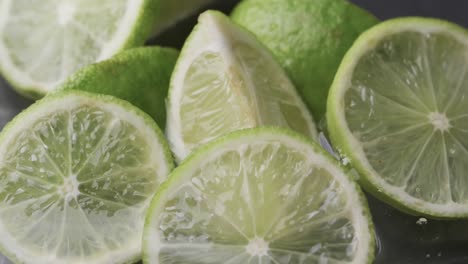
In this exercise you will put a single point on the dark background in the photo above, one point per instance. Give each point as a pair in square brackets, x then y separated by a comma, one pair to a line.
[400, 238]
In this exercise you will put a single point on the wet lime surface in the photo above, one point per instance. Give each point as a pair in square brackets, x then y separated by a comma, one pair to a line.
[401, 238]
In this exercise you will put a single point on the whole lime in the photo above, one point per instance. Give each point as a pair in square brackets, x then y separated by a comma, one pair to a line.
[308, 37]
[139, 76]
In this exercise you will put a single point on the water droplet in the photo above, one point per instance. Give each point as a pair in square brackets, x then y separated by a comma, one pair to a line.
[422, 221]
[314, 249]
[345, 161]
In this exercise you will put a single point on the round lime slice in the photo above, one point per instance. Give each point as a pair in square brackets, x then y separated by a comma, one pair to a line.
[225, 80]
[398, 111]
[260, 195]
[77, 173]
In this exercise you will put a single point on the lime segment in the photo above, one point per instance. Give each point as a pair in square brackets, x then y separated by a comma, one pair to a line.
[225, 80]
[259, 196]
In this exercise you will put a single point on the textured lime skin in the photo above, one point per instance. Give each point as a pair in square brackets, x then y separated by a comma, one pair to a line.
[140, 76]
[340, 134]
[176, 178]
[137, 35]
[43, 103]
[308, 38]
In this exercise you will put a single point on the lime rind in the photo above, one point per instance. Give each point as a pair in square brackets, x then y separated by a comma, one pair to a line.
[132, 252]
[133, 29]
[350, 147]
[204, 154]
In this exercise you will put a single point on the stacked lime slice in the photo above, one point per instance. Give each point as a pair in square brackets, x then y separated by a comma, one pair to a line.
[226, 80]
[260, 195]
[398, 110]
[77, 173]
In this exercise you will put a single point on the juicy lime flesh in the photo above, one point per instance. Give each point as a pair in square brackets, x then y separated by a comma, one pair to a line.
[68, 28]
[258, 203]
[74, 183]
[407, 105]
[221, 96]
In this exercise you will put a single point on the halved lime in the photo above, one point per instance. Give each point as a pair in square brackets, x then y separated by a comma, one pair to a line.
[260, 195]
[398, 110]
[42, 42]
[225, 80]
[77, 173]
[139, 75]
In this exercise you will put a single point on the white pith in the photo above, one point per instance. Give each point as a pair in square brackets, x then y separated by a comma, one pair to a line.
[439, 121]
[23, 80]
[130, 249]
[257, 246]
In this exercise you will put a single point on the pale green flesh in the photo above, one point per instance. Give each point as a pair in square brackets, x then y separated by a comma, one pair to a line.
[49, 40]
[257, 190]
[222, 96]
[112, 163]
[395, 88]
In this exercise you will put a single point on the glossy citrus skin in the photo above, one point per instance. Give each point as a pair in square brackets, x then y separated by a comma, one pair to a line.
[139, 76]
[308, 38]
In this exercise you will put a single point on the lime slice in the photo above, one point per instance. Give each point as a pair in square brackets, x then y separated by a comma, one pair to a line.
[43, 42]
[77, 173]
[225, 80]
[139, 76]
[259, 195]
[398, 110]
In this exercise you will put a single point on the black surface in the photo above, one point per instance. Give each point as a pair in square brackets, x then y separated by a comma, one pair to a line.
[400, 238]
